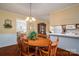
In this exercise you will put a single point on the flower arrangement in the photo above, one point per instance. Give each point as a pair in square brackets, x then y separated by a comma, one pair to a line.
[32, 35]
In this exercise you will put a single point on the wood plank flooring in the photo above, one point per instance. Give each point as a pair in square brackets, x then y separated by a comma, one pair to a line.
[12, 51]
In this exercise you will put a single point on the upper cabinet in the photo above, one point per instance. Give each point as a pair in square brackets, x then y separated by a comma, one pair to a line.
[70, 26]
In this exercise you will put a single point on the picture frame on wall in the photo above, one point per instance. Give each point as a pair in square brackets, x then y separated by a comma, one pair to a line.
[7, 23]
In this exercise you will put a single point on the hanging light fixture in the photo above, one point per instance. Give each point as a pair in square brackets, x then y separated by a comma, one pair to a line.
[30, 18]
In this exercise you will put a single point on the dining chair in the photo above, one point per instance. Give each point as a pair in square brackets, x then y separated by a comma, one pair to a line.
[42, 35]
[18, 45]
[50, 50]
[45, 44]
[27, 50]
[20, 37]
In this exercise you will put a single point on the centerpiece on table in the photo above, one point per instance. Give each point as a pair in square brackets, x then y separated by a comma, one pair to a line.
[32, 35]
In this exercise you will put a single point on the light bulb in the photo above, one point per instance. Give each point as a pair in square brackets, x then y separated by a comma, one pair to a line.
[33, 19]
[27, 19]
[30, 20]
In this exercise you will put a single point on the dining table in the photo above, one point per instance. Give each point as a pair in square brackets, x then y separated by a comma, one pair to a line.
[38, 42]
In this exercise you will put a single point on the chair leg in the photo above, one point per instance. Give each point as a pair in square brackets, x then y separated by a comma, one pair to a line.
[40, 52]
[19, 52]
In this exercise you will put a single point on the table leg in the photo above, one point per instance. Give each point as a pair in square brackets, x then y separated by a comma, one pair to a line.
[36, 51]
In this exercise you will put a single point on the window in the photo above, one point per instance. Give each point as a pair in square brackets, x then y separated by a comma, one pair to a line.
[21, 26]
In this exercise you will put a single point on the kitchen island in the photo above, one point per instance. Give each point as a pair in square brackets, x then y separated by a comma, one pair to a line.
[68, 42]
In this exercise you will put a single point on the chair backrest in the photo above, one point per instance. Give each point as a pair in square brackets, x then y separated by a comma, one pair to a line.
[20, 38]
[24, 48]
[18, 42]
[42, 35]
[46, 46]
[51, 50]
[54, 47]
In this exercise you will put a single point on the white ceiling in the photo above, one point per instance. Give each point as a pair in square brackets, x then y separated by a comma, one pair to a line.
[39, 10]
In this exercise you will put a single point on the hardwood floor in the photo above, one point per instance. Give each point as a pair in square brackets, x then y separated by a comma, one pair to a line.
[9, 51]
[12, 51]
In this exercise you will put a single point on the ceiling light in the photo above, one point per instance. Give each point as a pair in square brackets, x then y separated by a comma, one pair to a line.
[30, 18]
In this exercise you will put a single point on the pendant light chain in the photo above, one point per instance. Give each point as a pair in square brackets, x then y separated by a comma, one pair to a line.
[30, 9]
[30, 18]
[30, 14]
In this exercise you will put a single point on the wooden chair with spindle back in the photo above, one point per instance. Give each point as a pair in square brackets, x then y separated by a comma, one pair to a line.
[19, 47]
[20, 37]
[46, 45]
[18, 43]
[26, 50]
[54, 46]
[50, 50]
[42, 35]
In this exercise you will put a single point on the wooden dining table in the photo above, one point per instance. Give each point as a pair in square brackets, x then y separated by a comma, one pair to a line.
[38, 42]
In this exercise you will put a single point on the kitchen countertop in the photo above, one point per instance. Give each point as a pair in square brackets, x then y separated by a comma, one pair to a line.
[65, 35]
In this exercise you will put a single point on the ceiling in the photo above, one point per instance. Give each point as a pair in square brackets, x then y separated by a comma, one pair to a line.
[39, 10]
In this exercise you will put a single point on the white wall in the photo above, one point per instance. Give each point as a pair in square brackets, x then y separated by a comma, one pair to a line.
[8, 35]
[65, 16]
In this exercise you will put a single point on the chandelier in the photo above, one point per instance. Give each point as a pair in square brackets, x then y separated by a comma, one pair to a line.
[30, 18]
